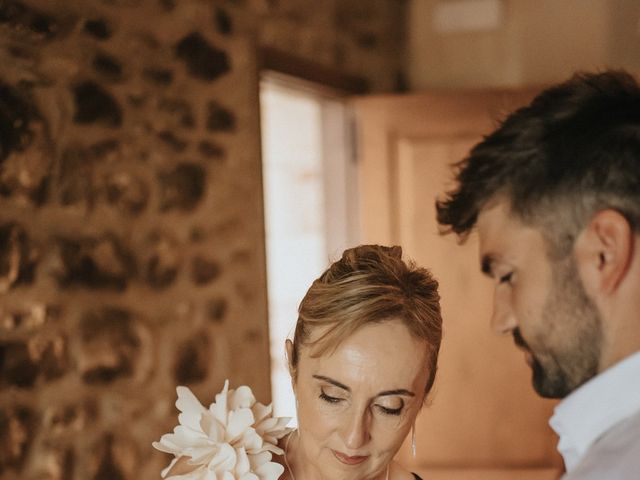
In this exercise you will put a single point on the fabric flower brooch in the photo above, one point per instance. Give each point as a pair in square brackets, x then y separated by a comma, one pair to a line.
[233, 439]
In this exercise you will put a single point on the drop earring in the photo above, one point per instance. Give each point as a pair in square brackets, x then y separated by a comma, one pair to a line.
[413, 440]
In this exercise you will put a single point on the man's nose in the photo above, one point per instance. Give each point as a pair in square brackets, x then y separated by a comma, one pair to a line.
[503, 319]
[357, 432]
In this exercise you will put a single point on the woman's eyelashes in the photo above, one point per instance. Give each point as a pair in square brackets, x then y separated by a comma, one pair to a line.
[329, 398]
[384, 409]
[391, 411]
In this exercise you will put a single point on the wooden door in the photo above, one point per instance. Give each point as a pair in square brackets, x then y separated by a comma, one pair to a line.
[484, 415]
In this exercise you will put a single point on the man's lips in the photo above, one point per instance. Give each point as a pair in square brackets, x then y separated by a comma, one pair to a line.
[528, 356]
[522, 345]
[347, 460]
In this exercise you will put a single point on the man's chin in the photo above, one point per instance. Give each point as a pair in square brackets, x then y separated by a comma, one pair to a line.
[545, 392]
[548, 386]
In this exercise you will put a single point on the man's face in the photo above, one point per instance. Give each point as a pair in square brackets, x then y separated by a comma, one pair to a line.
[541, 303]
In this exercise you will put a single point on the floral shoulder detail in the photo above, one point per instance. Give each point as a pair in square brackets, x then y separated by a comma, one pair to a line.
[233, 439]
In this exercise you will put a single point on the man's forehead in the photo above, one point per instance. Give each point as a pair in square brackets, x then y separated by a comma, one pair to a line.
[493, 218]
[502, 235]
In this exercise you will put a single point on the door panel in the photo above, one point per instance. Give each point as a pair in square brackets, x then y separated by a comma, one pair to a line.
[483, 411]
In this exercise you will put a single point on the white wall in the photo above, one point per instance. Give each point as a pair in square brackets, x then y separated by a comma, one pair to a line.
[536, 42]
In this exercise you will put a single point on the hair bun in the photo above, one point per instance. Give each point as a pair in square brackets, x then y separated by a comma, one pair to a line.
[353, 257]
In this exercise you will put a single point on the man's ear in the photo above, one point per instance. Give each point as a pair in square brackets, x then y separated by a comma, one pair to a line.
[604, 251]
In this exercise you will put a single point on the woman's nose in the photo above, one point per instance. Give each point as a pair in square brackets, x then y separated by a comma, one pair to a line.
[503, 319]
[356, 433]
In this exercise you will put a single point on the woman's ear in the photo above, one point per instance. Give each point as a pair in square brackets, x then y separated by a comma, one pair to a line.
[604, 251]
[288, 349]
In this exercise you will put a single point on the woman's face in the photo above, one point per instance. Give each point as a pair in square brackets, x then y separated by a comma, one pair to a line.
[357, 404]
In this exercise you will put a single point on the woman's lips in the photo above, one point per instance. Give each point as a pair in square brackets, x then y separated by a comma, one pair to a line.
[347, 460]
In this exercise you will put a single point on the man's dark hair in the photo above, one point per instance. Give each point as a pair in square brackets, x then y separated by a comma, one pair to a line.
[573, 151]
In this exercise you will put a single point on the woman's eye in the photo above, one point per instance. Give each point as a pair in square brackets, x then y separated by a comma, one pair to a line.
[328, 398]
[390, 411]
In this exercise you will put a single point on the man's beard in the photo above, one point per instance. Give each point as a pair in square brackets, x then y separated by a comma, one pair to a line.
[572, 337]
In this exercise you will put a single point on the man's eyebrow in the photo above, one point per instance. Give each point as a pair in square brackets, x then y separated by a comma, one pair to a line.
[486, 265]
[332, 382]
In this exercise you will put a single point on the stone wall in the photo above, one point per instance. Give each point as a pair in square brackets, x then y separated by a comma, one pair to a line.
[360, 37]
[131, 231]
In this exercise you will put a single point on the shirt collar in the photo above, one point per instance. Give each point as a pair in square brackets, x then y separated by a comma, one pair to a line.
[596, 406]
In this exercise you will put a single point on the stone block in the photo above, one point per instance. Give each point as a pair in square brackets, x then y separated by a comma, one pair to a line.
[27, 318]
[23, 362]
[111, 345]
[182, 187]
[94, 104]
[70, 418]
[204, 270]
[98, 28]
[16, 113]
[223, 22]
[98, 173]
[102, 262]
[168, 5]
[176, 113]
[193, 359]
[22, 17]
[53, 360]
[211, 150]
[25, 160]
[217, 309]
[18, 257]
[219, 118]
[17, 431]
[17, 366]
[158, 76]
[108, 67]
[112, 460]
[126, 192]
[173, 141]
[161, 260]
[203, 61]
[74, 180]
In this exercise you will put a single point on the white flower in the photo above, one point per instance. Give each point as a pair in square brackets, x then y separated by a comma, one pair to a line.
[231, 440]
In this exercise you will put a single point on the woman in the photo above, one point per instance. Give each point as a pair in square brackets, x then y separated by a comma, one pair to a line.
[362, 361]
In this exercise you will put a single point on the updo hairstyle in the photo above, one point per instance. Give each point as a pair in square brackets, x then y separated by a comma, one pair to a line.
[370, 284]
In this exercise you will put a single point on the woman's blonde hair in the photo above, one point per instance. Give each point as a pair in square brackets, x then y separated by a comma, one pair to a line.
[370, 284]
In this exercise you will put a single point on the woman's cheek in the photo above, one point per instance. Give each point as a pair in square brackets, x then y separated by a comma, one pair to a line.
[315, 412]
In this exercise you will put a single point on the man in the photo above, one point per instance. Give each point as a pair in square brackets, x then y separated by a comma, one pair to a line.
[554, 193]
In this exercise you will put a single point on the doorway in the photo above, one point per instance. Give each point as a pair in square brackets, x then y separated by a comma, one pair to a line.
[310, 203]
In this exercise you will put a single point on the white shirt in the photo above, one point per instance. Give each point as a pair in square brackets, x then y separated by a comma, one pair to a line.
[595, 408]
